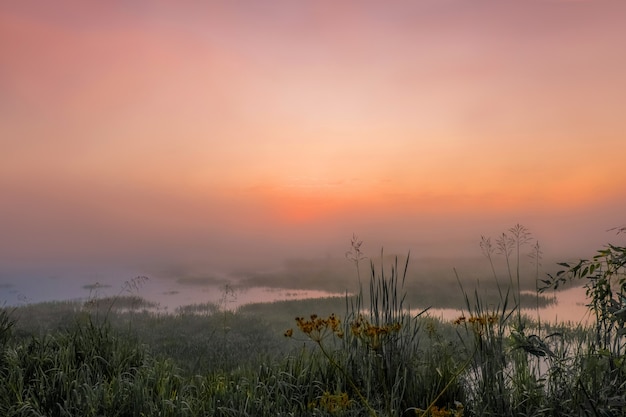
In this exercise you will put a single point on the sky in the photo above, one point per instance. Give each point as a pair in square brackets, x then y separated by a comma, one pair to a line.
[145, 134]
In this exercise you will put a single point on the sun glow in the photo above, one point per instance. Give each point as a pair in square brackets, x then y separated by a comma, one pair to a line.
[200, 124]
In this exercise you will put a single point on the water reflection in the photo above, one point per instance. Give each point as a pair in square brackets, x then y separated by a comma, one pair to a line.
[230, 292]
[569, 307]
[227, 296]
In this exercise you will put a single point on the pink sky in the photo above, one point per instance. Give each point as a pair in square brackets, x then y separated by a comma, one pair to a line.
[156, 131]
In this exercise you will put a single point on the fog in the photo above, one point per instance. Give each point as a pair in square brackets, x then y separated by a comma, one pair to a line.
[225, 143]
[56, 246]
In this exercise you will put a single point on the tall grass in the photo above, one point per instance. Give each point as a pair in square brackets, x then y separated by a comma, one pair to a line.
[366, 354]
[382, 357]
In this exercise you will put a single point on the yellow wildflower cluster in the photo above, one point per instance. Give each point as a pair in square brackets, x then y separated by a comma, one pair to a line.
[482, 321]
[435, 411]
[443, 412]
[372, 334]
[431, 328]
[332, 403]
[317, 328]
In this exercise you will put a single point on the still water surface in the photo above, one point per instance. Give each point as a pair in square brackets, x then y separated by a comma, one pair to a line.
[170, 294]
[569, 307]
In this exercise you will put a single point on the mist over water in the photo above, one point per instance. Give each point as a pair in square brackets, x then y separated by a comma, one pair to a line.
[306, 259]
[204, 145]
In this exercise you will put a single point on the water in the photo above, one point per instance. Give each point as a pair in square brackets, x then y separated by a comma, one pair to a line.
[227, 297]
[169, 293]
[569, 307]
[223, 290]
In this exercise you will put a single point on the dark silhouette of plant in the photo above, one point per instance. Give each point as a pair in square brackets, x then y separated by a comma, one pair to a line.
[356, 255]
[488, 250]
[605, 284]
[517, 237]
[504, 247]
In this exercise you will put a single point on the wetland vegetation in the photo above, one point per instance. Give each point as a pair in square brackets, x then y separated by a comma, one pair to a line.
[369, 353]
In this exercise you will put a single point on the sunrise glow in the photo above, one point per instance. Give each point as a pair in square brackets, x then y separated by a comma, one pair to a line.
[168, 129]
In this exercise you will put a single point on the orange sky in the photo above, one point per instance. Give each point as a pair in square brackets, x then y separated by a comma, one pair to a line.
[155, 129]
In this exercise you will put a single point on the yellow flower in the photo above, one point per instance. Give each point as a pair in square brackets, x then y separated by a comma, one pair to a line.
[317, 328]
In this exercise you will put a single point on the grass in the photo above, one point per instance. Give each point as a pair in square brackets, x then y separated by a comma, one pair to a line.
[372, 353]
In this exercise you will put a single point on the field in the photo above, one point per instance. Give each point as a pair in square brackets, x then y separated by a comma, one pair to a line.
[362, 354]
